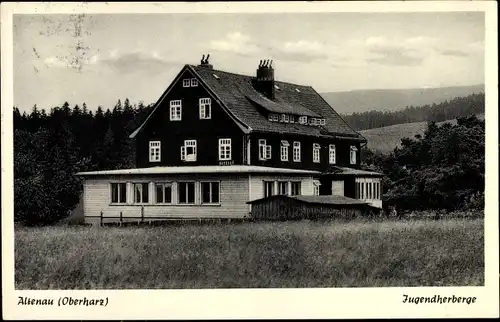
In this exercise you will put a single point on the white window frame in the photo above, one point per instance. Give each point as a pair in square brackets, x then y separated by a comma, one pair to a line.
[298, 184]
[194, 82]
[271, 191]
[184, 155]
[262, 149]
[303, 119]
[163, 185]
[119, 187]
[205, 106]
[276, 118]
[179, 183]
[284, 150]
[282, 184]
[322, 122]
[316, 185]
[316, 152]
[296, 151]
[141, 185]
[270, 117]
[224, 149]
[292, 118]
[176, 110]
[332, 154]
[285, 118]
[352, 154]
[154, 151]
[210, 185]
[186, 82]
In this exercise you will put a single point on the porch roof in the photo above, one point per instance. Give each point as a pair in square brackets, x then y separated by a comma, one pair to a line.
[352, 172]
[324, 199]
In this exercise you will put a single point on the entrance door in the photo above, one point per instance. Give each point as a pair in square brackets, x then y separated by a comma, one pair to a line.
[338, 187]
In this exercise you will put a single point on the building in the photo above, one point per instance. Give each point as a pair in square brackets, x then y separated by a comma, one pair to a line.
[216, 140]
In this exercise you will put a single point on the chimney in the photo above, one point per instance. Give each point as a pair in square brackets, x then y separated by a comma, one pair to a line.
[204, 62]
[264, 82]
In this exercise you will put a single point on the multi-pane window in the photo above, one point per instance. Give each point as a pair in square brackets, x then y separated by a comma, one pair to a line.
[264, 150]
[285, 118]
[154, 151]
[268, 188]
[118, 193]
[275, 117]
[141, 192]
[322, 122]
[303, 120]
[295, 188]
[186, 82]
[283, 187]
[224, 149]
[292, 119]
[296, 151]
[185, 192]
[188, 151]
[210, 192]
[316, 185]
[163, 192]
[353, 154]
[316, 148]
[175, 110]
[284, 150]
[194, 82]
[332, 158]
[205, 108]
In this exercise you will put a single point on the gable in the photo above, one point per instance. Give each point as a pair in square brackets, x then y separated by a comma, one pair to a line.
[186, 74]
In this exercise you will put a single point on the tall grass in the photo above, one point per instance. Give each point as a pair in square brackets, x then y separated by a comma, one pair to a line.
[263, 255]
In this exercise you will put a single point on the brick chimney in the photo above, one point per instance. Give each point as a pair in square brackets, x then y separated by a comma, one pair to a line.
[204, 62]
[264, 82]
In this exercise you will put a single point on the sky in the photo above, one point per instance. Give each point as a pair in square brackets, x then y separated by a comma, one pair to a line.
[100, 58]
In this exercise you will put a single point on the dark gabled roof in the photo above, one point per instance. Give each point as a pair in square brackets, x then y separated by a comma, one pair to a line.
[237, 93]
[324, 200]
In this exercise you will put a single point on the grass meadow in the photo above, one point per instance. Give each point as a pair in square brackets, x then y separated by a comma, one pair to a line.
[252, 255]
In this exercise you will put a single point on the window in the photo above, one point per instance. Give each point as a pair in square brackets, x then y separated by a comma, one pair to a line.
[283, 187]
[303, 119]
[353, 154]
[210, 192]
[264, 150]
[312, 121]
[276, 117]
[224, 149]
[316, 185]
[316, 148]
[322, 122]
[370, 190]
[194, 82]
[186, 82]
[188, 151]
[285, 118]
[292, 119]
[270, 117]
[118, 193]
[356, 191]
[205, 108]
[141, 192]
[362, 191]
[175, 110]
[268, 188]
[185, 191]
[331, 154]
[284, 150]
[154, 151]
[295, 188]
[296, 151]
[163, 193]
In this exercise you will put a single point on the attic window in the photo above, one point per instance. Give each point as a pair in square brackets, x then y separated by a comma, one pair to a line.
[322, 122]
[285, 118]
[303, 119]
[297, 90]
[215, 76]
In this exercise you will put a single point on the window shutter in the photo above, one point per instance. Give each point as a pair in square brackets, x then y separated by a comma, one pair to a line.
[183, 153]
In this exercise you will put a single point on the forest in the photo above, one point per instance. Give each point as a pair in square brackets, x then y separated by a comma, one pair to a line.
[443, 169]
[447, 110]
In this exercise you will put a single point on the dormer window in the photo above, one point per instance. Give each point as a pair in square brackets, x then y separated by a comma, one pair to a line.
[273, 117]
[292, 119]
[186, 82]
[285, 118]
[322, 122]
[194, 82]
[303, 120]
[353, 154]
